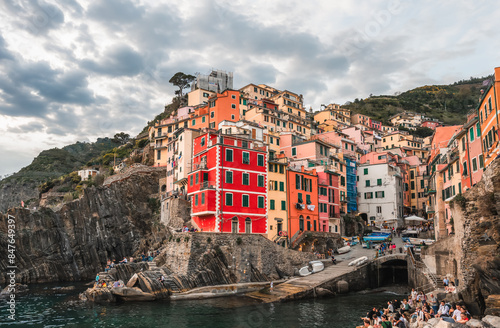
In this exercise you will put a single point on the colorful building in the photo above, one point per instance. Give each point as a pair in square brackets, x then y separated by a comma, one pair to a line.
[228, 184]
[302, 200]
[277, 209]
[489, 119]
[470, 153]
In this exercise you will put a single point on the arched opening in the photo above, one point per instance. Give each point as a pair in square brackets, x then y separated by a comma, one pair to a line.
[301, 223]
[248, 225]
[163, 188]
[234, 225]
[392, 272]
[308, 223]
[364, 217]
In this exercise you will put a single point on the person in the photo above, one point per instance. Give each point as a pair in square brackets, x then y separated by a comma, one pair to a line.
[443, 310]
[366, 323]
[465, 315]
[375, 320]
[334, 261]
[450, 288]
[445, 282]
[414, 294]
[271, 287]
[385, 323]
[419, 314]
[161, 279]
[433, 302]
[398, 322]
[104, 284]
[116, 284]
[390, 307]
[96, 280]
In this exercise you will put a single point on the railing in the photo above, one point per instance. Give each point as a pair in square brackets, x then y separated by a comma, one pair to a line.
[199, 166]
[294, 237]
[207, 185]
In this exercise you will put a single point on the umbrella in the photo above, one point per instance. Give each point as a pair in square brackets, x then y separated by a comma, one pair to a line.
[384, 220]
[415, 218]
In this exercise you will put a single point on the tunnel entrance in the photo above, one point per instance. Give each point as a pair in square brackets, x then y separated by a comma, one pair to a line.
[391, 272]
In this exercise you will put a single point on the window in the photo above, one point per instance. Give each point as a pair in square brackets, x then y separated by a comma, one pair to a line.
[193, 122]
[308, 199]
[478, 130]
[471, 134]
[368, 195]
[342, 181]
[367, 183]
[365, 171]
[412, 185]
[202, 198]
[412, 195]
[271, 204]
[260, 202]
[282, 169]
[245, 179]
[229, 199]
[379, 209]
[283, 205]
[260, 160]
[412, 174]
[233, 96]
[299, 197]
[229, 177]
[191, 180]
[297, 182]
[260, 181]
[229, 155]
[202, 141]
[233, 106]
[282, 186]
[465, 168]
[196, 200]
[246, 157]
[474, 164]
[422, 183]
[481, 162]
[245, 201]
[203, 119]
[196, 179]
[294, 151]
[380, 194]
[232, 117]
[379, 182]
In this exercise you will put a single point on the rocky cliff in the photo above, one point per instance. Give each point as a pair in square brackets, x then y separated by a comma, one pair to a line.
[118, 219]
[472, 254]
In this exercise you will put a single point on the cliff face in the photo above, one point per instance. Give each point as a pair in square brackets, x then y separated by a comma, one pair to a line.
[472, 253]
[107, 222]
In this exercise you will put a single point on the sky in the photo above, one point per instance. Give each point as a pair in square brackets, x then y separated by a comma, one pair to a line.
[77, 70]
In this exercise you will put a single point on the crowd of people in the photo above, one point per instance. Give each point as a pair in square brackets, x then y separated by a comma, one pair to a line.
[149, 257]
[418, 307]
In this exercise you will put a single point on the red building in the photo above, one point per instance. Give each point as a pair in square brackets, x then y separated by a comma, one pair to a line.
[430, 124]
[227, 184]
[377, 125]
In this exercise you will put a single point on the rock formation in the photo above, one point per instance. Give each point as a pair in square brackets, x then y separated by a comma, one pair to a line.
[73, 243]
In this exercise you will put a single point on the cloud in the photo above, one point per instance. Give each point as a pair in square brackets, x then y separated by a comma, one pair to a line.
[120, 60]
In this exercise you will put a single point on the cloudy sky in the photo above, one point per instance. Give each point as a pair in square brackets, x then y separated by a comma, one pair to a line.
[76, 70]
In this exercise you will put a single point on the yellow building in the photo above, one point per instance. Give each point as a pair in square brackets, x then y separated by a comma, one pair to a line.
[410, 145]
[277, 206]
[335, 116]
[199, 97]
[257, 92]
[418, 182]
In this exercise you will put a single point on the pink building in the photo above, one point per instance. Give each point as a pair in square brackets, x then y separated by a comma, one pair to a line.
[340, 139]
[328, 200]
[295, 148]
[375, 125]
[430, 124]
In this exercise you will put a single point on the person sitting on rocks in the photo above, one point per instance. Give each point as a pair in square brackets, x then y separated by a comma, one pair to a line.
[397, 322]
[116, 284]
[464, 315]
[96, 280]
[161, 279]
[107, 268]
[390, 307]
[443, 310]
[450, 288]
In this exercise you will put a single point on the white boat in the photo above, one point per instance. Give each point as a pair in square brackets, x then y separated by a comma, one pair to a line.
[418, 241]
[343, 250]
[358, 261]
[317, 266]
[304, 271]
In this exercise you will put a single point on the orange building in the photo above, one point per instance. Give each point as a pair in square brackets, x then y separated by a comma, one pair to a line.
[489, 120]
[302, 200]
[221, 107]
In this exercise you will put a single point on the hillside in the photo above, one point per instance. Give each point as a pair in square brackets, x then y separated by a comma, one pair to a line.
[447, 103]
[49, 164]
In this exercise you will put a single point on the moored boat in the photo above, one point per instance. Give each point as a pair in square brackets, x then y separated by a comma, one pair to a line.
[344, 249]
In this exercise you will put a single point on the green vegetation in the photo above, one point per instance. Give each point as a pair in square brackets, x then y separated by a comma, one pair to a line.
[447, 103]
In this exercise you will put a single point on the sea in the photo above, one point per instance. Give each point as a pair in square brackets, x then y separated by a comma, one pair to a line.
[58, 305]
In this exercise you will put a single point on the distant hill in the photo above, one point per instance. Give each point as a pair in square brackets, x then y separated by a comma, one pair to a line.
[49, 164]
[447, 103]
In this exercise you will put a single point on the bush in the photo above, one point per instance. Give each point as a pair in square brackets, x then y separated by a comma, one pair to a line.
[154, 204]
[186, 239]
[178, 239]
[459, 200]
[142, 143]
[68, 197]
[209, 240]
[239, 240]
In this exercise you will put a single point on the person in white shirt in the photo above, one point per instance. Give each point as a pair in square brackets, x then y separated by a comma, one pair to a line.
[443, 310]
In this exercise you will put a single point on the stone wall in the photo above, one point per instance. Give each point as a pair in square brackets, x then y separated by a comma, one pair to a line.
[175, 212]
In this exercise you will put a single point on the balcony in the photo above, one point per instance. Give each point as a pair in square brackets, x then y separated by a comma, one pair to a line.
[207, 185]
[429, 209]
[199, 166]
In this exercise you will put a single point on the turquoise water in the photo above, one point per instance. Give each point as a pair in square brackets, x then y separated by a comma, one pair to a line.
[45, 307]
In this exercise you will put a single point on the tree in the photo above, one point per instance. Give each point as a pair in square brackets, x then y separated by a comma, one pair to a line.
[181, 81]
[121, 138]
